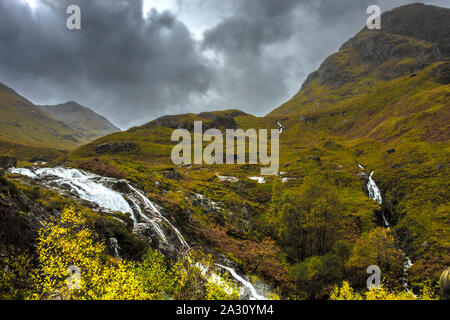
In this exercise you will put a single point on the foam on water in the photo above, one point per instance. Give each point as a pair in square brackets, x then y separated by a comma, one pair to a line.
[254, 295]
[83, 184]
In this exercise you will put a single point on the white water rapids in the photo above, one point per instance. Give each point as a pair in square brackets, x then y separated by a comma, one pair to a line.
[375, 194]
[97, 190]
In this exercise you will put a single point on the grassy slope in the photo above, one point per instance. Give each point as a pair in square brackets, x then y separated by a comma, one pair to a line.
[393, 118]
[83, 120]
[26, 131]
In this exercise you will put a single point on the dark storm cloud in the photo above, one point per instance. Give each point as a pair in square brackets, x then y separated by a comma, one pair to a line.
[267, 47]
[128, 67]
[254, 55]
[255, 24]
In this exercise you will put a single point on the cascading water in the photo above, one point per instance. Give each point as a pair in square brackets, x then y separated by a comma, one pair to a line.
[253, 294]
[97, 190]
[83, 184]
[407, 264]
[375, 194]
[115, 245]
[151, 206]
[281, 126]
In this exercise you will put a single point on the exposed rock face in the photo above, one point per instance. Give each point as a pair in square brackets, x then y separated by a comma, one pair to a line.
[38, 158]
[442, 73]
[416, 35]
[209, 120]
[115, 147]
[7, 162]
[421, 21]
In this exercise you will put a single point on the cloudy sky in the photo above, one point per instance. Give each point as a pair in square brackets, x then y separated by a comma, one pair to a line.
[136, 60]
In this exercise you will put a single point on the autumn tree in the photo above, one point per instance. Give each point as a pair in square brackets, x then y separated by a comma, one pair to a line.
[376, 247]
[306, 224]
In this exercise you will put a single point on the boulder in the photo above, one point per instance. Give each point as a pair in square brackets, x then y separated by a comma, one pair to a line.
[313, 158]
[7, 162]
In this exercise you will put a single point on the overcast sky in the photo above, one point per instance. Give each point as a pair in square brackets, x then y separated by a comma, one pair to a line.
[134, 60]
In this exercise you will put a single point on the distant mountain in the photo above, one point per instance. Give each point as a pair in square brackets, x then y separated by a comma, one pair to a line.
[29, 131]
[82, 120]
[26, 130]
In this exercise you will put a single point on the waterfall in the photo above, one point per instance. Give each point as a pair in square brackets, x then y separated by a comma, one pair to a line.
[115, 245]
[150, 205]
[281, 126]
[155, 226]
[407, 264]
[83, 184]
[375, 194]
[253, 294]
[89, 187]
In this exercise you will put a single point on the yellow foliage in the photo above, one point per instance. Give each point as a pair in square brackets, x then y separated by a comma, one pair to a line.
[346, 292]
[72, 243]
[196, 279]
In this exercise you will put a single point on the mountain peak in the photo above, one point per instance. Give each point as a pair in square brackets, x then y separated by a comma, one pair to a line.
[82, 119]
[426, 22]
[411, 38]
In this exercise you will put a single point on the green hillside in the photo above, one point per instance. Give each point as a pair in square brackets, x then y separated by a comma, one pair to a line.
[25, 130]
[84, 121]
[28, 131]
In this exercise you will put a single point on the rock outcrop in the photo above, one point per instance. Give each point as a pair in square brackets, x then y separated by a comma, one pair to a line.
[115, 147]
[7, 162]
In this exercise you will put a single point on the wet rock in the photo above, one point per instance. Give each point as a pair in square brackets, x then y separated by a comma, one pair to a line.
[7, 162]
[115, 147]
[390, 151]
[146, 232]
[122, 186]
